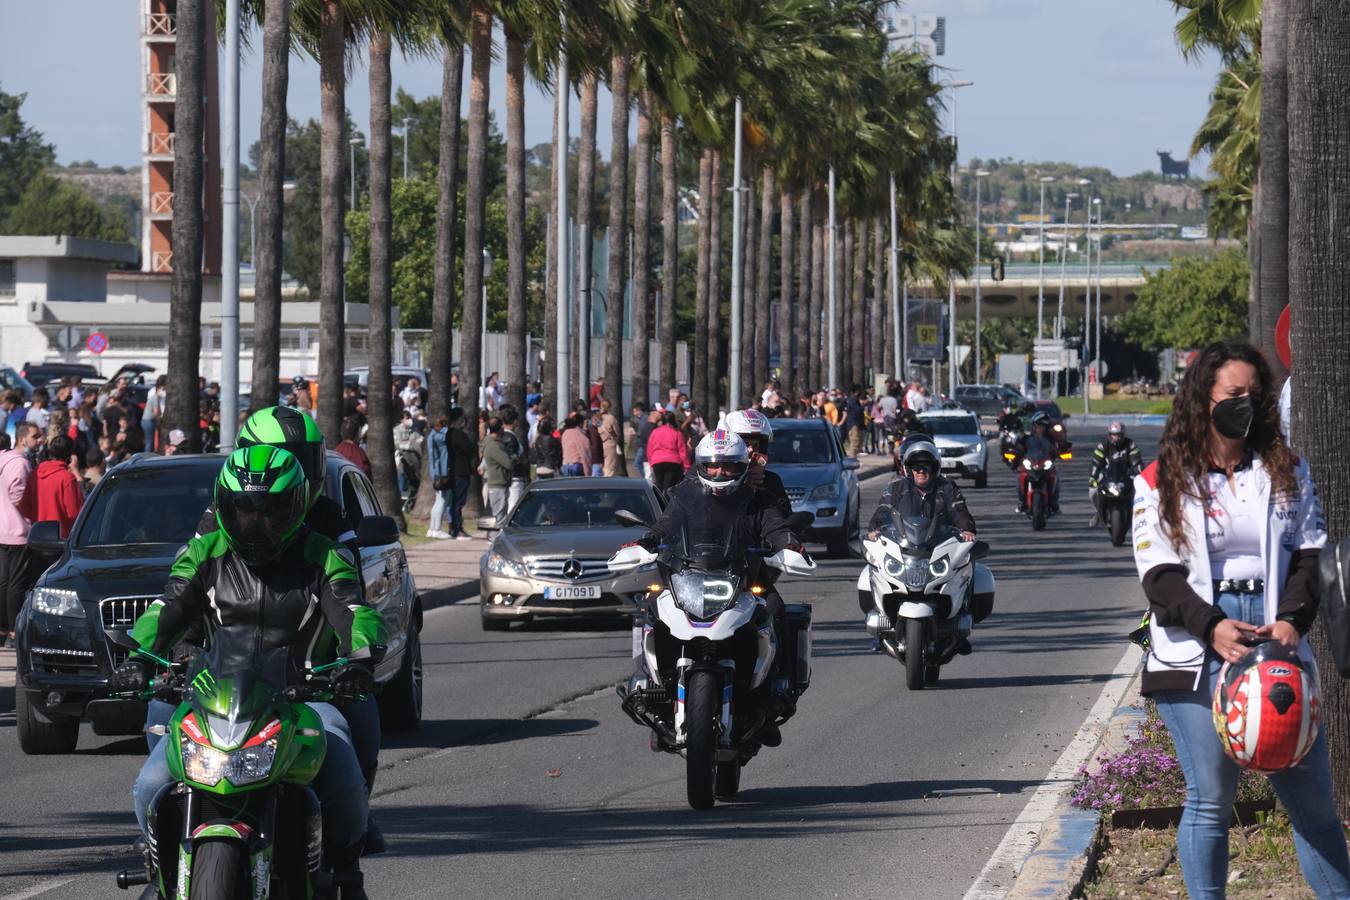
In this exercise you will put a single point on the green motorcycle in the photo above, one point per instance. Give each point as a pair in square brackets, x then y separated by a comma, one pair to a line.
[240, 819]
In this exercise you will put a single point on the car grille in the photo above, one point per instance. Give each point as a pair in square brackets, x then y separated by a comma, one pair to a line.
[796, 495]
[122, 612]
[552, 567]
[949, 452]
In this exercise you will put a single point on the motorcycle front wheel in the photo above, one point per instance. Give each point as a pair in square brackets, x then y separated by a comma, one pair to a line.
[1037, 511]
[701, 712]
[219, 871]
[1117, 526]
[914, 655]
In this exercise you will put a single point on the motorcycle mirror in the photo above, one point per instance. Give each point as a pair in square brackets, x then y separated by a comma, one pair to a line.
[123, 639]
[628, 518]
[980, 550]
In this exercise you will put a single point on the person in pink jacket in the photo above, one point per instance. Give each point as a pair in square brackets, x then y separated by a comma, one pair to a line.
[576, 447]
[16, 517]
[668, 454]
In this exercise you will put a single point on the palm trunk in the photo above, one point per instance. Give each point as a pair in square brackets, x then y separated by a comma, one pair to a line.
[475, 196]
[332, 180]
[845, 275]
[787, 302]
[642, 223]
[749, 284]
[439, 399]
[698, 377]
[670, 255]
[818, 275]
[1319, 206]
[1273, 215]
[379, 396]
[764, 272]
[185, 303]
[549, 383]
[716, 333]
[271, 176]
[590, 88]
[857, 326]
[803, 335]
[617, 230]
[517, 341]
[877, 321]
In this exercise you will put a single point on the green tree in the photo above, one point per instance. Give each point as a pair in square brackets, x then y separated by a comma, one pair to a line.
[52, 206]
[1190, 304]
[23, 153]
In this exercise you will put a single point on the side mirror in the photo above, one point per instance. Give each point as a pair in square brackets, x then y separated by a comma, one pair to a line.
[980, 550]
[851, 462]
[377, 531]
[629, 558]
[122, 639]
[45, 538]
[800, 521]
[629, 519]
[792, 562]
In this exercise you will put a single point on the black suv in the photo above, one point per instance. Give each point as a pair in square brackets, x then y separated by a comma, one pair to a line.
[115, 564]
[987, 399]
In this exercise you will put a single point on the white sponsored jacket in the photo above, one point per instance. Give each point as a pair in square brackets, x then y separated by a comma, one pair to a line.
[1295, 522]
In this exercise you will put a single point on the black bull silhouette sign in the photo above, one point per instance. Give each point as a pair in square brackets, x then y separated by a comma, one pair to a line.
[1178, 167]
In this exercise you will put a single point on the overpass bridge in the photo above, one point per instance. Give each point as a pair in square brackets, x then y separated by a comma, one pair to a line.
[1015, 296]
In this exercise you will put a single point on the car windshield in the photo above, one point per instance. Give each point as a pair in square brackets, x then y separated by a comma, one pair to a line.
[800, 446]
[153, 505]
[593, 508]
[947, 425]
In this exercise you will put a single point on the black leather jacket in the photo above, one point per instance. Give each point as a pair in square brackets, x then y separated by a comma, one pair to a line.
[942, 501]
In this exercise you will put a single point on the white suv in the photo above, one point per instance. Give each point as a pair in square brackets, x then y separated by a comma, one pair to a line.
[960, 441]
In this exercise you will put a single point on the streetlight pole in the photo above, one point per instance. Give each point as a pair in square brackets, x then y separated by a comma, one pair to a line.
[980, 175]
[1098, 339]
[737, 291]
[229, 208]
[562, 346]
[1087, 306]
[351, 169]
[1040, 293]
[833, 333]
[408, 123]
[951, 276]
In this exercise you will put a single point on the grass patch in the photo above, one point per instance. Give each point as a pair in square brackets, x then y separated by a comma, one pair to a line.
[1118, 404]
[416, 534]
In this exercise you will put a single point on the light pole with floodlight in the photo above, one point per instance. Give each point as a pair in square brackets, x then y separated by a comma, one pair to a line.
[1040, 293]
[351, 171]
[980, 175]
[408, 123]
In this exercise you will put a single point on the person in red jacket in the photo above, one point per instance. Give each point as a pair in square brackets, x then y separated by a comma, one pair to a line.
[348, 447]
[59, 497]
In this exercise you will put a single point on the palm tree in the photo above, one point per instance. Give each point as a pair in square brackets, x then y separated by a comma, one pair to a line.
[271, 177]
[439, 399]
[699, 376]
[516, 336]
[805, 335]
[749, 282]
[716, 345]
[379, 395]
[759, 370]
[856, 325]
[877, 319]
[1273, 214]
[787, 300]
[642, 223]
[819, 272]
[670, 251]
[549, 383]
[617, 229]
[185, 305]
[475, 199]
[332, 171]
[590, 91]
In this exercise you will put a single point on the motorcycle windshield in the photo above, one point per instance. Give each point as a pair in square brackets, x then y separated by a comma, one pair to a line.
[701, 542]
[915, 532]
[233, 683]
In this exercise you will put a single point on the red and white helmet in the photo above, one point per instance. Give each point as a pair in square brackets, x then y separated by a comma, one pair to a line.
[750, 424]
[1266, 708]
[723, 448]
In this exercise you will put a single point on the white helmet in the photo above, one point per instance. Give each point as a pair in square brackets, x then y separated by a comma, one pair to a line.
[920, 451]
[722, 447]
[750, 423]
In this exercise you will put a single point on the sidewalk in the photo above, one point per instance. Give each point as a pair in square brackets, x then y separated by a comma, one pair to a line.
[447, 571]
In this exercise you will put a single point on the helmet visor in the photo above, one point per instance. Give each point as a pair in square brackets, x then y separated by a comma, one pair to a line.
[259, 525]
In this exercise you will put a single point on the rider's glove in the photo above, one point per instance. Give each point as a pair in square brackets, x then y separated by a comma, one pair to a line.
[132, 675]
[651, 542]
[354, 680]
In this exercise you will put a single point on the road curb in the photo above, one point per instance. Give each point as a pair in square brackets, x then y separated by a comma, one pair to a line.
[1065, 857]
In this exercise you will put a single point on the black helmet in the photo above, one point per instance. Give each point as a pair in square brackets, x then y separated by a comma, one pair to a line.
[1041, 417]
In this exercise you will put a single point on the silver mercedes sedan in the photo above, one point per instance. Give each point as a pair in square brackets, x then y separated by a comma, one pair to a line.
[552, 557]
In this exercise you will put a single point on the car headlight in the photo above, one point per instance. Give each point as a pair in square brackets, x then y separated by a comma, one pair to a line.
[1048, 465]
[939, 567]
[55, 602]
[500, 565]
[894, 568]
[826, 492]
[702, 596]
[1026, 464]
[207, 765]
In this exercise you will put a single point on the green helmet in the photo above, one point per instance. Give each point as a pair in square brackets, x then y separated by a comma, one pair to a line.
[261, 500]
[293, 431]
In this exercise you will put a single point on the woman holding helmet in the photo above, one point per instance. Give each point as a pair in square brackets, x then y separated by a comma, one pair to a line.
[1227, 528]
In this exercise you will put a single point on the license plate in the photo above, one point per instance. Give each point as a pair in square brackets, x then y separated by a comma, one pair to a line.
[572, 592]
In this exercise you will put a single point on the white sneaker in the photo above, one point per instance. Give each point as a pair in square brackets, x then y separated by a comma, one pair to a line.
[463, 536]
[438, 535]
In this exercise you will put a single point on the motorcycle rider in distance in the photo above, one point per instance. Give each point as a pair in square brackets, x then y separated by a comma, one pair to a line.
[1010, 419]
[1117, 446]
[263, 572]
[1038, 444]
[718, 501]
[920, 489]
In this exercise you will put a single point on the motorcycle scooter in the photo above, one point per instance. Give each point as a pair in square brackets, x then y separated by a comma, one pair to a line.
[924, 592]
[707, 685]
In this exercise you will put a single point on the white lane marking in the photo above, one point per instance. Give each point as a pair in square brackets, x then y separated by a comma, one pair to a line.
[39, 888]
[999, 874]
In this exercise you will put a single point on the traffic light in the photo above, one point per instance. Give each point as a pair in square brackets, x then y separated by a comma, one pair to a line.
[996, 269]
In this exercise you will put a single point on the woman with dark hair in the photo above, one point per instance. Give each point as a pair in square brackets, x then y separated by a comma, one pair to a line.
[1227, 528]
[546, 451]
[668, 453]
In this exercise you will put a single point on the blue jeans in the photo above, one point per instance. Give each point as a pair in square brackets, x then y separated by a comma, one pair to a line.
[572, 470]
[597, 470]
[340, 785]
[1211, 785]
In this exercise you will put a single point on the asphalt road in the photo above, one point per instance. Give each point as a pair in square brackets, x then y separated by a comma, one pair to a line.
[526, 780]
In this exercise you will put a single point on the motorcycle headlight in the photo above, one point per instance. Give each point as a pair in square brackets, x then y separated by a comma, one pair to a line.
[56, 603]
[1048, 465]
[1026, 464]
[894, 567]
[940, 567]
[507, 568]
[207, 765]
[702, 596]
[1113, 490]
[826, 492]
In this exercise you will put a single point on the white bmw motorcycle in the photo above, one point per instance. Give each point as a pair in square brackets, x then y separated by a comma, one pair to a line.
[924, 591]
[708, 687]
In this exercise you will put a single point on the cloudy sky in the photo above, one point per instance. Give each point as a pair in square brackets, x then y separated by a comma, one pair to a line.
[1093, 82]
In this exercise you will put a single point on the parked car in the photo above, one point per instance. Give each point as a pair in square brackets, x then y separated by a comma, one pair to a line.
[820, 479]
[11, 380]
[42, 374]
[987, 399]
[115, 564]
[961, 443]
[552, 558]
[360, 376]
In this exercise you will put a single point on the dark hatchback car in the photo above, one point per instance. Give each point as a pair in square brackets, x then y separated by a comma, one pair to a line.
[115, 564]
